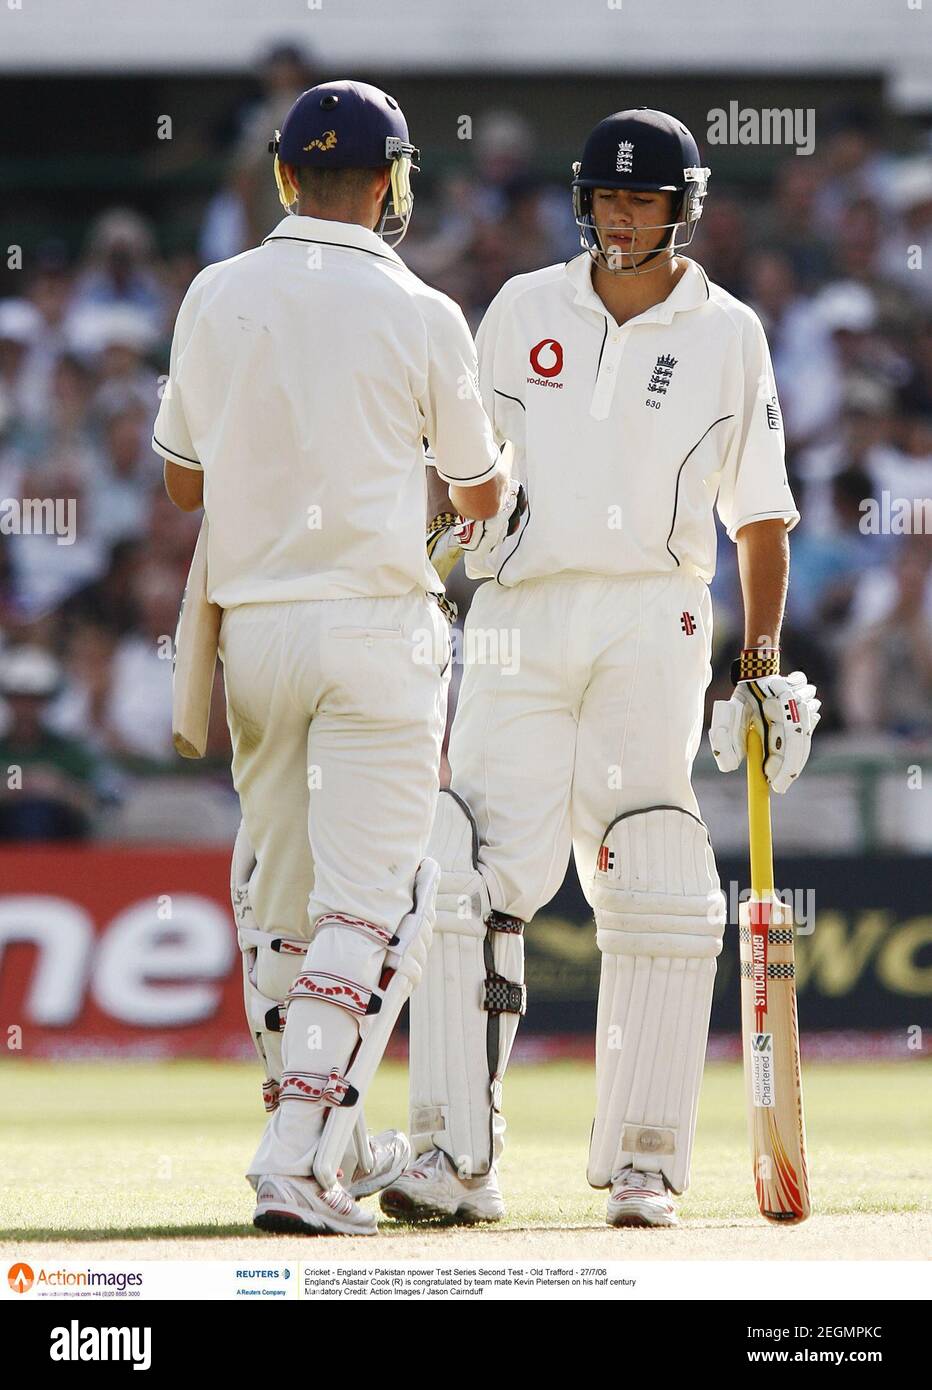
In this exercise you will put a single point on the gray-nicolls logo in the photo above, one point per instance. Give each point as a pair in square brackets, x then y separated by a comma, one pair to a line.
[662, 375]
[77, 1343]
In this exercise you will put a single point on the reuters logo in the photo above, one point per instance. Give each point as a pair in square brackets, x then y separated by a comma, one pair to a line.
[547, 357]
[20, 1278]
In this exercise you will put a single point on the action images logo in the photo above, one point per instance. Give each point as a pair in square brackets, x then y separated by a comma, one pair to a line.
[21, 1278]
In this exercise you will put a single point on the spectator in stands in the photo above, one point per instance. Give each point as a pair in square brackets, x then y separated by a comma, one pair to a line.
[138, 718]
[724, 252]
[852, 165]
[49, 291]
[119, 270]
[247, 208]
[887, 666]
[47, 780]
[907, 251]
[827, 568]
[20, 325]
[120, 497]
[793, 222]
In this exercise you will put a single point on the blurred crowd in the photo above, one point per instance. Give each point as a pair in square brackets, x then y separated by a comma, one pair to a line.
[836, 256]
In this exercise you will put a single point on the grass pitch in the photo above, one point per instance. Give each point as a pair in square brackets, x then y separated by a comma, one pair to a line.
[145, 1160]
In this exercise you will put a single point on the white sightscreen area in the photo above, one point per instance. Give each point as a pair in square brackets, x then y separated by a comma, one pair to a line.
[890, 37]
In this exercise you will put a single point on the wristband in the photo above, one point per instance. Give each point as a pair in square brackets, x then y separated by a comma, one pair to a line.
[755, 662]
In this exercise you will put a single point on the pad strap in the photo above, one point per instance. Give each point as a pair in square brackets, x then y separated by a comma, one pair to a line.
[500, 995]
[329, 1089]
[336, 989]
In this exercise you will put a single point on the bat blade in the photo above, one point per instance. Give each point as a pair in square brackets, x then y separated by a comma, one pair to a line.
[769, 1024]
[195, 661]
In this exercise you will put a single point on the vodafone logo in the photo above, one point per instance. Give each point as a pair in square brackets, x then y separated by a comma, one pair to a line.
[547, 357]
[20, 1278]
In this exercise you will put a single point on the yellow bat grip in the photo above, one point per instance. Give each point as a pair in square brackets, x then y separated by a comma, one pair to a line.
[759, 819]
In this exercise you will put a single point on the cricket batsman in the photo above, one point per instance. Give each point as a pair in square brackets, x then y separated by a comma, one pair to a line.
[305, 375]
[638, 397]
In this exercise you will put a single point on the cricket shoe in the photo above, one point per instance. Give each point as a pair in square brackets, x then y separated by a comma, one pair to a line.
[392, 1154]
[431, 1190]
[640, 1199]
[290, 1206]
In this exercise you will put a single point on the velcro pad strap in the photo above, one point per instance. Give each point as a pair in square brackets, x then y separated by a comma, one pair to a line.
[503, 996]
[330, 1089]
[336, 989]
[342, 919]
[511, 926]
[250, 939]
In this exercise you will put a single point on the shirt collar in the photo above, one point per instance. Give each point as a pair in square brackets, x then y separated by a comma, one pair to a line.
[318, 229]
[689, 292]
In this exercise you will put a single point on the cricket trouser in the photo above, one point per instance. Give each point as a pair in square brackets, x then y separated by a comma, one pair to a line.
[336, 711]
[581, 699]
[581, 703]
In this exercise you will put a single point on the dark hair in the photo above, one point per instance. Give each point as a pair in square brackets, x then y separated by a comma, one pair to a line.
[324, 187]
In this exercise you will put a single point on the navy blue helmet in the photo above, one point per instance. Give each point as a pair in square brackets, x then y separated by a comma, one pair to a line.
[350, 125]
[647, 151]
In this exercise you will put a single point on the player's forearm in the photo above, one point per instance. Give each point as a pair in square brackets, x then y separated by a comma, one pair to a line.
[482, 502]
[185, 486]
[764, 565]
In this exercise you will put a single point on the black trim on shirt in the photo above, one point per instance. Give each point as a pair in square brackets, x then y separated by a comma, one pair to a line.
[676, 493]
[486, 472]
[708, 292]
[601, 350]
[340, 245]
[176, 452]
[527, 522]
[510, 398]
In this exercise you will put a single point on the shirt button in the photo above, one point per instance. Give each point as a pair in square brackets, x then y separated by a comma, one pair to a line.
[368, 641]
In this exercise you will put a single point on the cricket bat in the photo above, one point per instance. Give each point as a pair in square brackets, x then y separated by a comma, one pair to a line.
[769, 1028]
[195, 657]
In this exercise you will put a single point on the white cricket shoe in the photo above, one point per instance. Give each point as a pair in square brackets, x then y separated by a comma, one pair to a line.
[431, 1189]
[392, 1154]
[290, 1206]
[640, 1199]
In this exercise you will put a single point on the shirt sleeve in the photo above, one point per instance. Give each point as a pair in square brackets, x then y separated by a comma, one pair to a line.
[753, 485]
[458, 430]
[171, 436]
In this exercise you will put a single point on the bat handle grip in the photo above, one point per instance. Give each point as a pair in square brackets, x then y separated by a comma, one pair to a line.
[761, 839]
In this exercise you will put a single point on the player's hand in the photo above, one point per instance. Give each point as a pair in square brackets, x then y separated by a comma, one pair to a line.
[784, 711]
[449, 535]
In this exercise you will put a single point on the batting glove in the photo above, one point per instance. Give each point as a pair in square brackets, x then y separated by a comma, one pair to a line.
[783, 710]
[449, 535]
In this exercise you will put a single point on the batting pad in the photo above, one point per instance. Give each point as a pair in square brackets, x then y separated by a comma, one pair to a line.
[464, 1015]
[660, 914]
[275, 961]
[402, 969]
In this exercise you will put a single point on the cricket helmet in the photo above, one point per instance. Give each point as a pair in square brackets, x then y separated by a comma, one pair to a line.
[350, 125]
[642, 150]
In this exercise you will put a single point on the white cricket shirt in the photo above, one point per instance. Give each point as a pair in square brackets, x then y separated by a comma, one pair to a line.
[627, 436]
[304, 376]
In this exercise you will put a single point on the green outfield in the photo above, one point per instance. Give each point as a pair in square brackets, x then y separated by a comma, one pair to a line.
[150, 1156]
